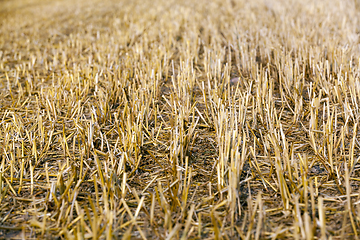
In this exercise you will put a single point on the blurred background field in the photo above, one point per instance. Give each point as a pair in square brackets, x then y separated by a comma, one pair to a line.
[160, 119]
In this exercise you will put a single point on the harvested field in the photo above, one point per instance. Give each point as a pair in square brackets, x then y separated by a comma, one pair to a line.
[139, 119]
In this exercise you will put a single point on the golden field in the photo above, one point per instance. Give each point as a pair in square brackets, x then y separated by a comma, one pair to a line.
[223, 119]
